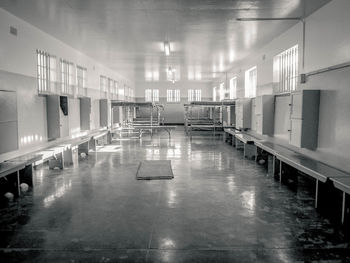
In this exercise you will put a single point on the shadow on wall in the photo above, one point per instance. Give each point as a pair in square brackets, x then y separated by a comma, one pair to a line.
[328, 112]
[334, 124]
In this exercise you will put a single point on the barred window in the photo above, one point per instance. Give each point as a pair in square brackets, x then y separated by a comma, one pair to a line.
[115, 90]
[152, 95]
[222, 91]
[67, 77]
[194, 95]
[156, 95]
[121, 93]
[233, 88]
[46, 72]
[103, 86]
[250, 82]
[285, 70]
[173, 95]
[81, 81]
[148, 95]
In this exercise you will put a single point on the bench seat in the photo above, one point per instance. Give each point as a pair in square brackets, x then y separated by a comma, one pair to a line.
[311, 167]
[247, 142]
[17, 170]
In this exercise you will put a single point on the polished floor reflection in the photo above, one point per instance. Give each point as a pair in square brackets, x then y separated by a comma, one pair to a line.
[219, 207]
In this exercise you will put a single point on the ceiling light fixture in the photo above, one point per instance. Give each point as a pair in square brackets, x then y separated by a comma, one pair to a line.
[167, 48]
[268, 19]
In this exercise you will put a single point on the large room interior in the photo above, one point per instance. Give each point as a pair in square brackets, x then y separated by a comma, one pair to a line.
[174, 131]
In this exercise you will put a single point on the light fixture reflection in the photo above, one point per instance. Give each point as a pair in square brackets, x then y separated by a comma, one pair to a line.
[167, 48]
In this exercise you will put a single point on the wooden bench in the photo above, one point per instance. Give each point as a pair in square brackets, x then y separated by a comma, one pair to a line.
[75, 147]
[105, 136]
[63, 153]
[246, 142]
[55, 156]
[343, 184]
[271, 149]
[323, 174]
[16, 171]
[327, 178]
[229, 135]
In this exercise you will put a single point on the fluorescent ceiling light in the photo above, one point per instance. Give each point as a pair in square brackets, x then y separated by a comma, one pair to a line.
[268, 19]
[167, 48]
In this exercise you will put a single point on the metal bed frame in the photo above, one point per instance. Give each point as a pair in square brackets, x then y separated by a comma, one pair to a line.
[134, 123]
[206, 123]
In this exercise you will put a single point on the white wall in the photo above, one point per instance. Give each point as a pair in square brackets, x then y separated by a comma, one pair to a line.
[173, 112]
[327, 43]
[18, 72]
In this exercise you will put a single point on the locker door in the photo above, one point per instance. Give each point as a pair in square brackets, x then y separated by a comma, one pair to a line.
[64, 124]
[295, 132]
[259, 105]
[259, 124]
[296, 105]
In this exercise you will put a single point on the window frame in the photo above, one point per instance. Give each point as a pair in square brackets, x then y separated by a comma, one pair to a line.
[250, 83]
[233, 88]
[286, 70]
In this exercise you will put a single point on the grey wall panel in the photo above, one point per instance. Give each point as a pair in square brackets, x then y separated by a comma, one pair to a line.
[103, 112]
[31, 111]
[8, 106]
[85, 113]
[8, 121]
[282, 117]
[8, 136]
[53, 117]
[116, 115]
[74, 116]
[95, 114]
[334, 124]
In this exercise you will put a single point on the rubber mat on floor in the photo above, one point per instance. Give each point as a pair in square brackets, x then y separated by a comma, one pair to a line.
[154, 170]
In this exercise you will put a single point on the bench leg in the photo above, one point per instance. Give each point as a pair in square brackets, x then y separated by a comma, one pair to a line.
[58, 161]
[257, 153]
[83, 148]
[249, 150]
[109, 138]
[240, 145]
[68, 156]
[92, 145]
[343, 209]
[10, 183]
[168, 131]
[280, 173]
[316, 194]
[270, 165]
[26, 175]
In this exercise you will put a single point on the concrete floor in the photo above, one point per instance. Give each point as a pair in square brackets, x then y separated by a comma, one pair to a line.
[218, 208]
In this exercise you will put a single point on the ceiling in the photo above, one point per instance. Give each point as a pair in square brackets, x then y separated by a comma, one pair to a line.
[128, 35]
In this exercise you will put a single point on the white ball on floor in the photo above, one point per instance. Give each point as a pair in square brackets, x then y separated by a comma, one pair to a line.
[83, 155]
[24, 187]
[9, 196]
[262, 161]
